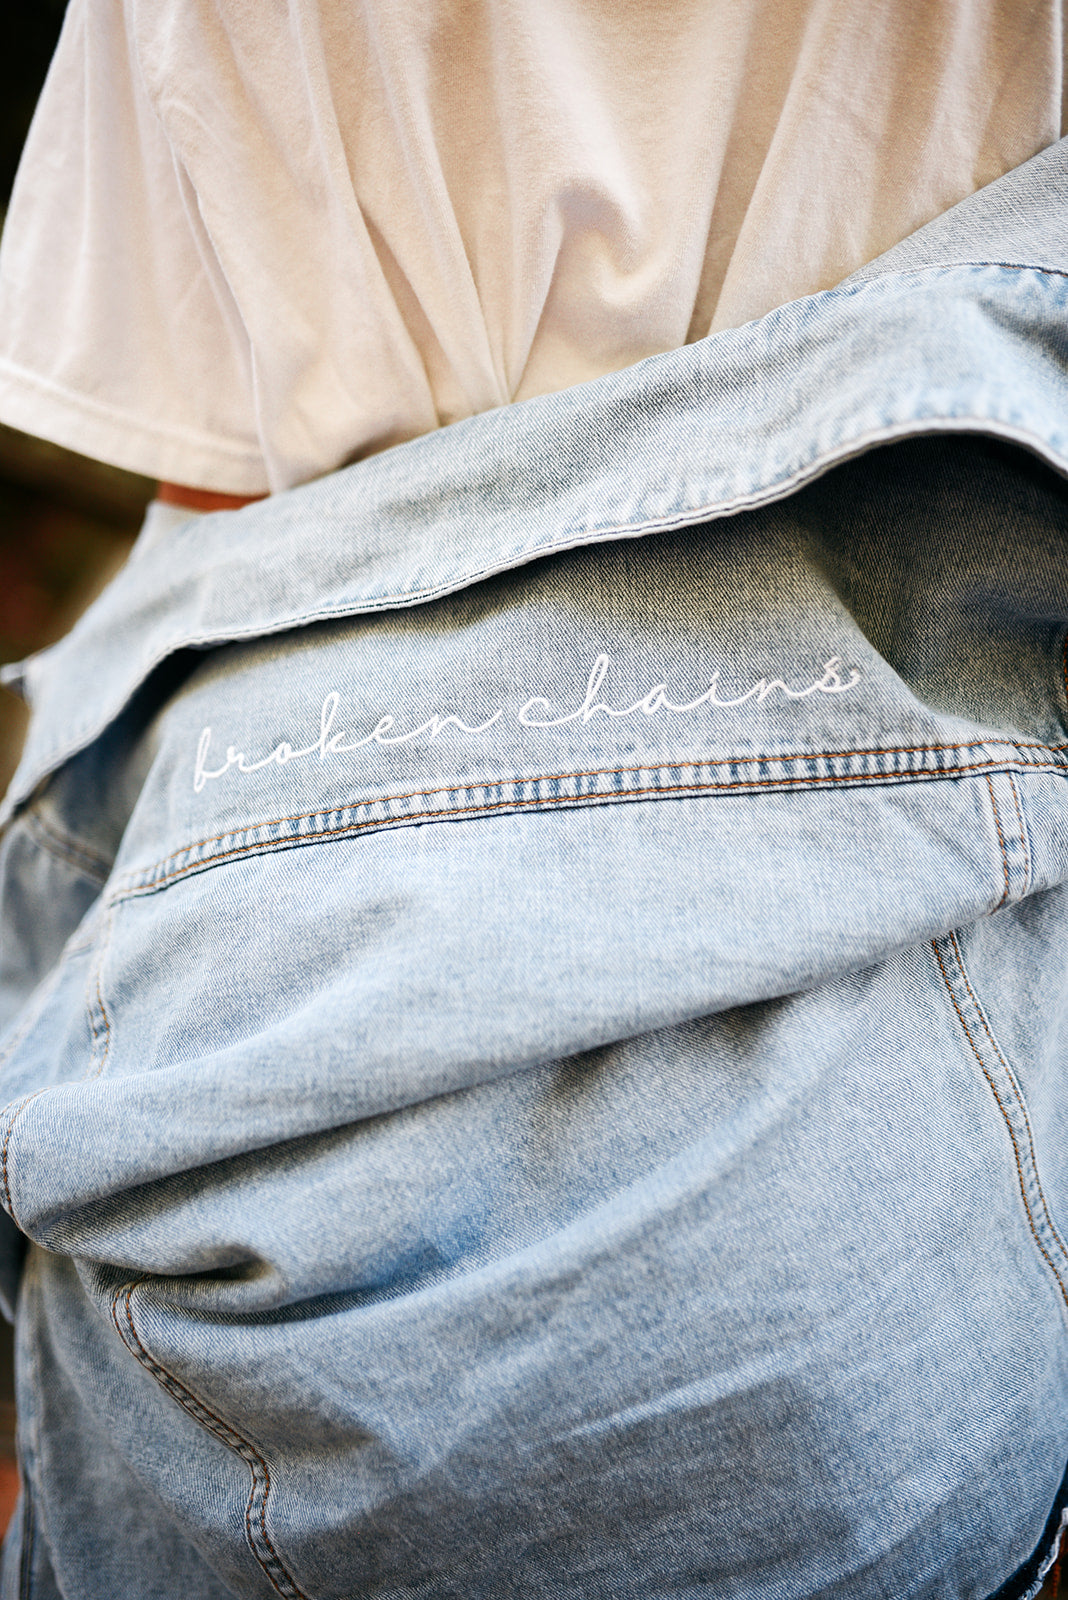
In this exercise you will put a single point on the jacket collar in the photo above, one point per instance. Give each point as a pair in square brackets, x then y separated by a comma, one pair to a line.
[960, 328]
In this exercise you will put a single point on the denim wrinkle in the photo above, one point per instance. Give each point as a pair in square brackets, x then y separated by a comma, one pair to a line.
[533, 993]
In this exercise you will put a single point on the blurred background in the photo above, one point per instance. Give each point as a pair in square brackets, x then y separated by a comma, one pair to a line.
[66, 523]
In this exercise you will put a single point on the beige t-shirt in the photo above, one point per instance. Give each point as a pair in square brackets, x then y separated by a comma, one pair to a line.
[253, 240]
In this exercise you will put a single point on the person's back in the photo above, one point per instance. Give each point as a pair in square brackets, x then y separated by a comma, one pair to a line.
[513, 1079]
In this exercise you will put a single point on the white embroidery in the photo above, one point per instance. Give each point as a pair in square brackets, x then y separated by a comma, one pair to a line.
[537, 712]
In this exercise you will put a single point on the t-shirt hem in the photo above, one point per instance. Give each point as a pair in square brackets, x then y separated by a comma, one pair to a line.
[40, 407]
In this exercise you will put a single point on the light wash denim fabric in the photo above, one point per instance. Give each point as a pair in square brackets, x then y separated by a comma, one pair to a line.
[535, 977]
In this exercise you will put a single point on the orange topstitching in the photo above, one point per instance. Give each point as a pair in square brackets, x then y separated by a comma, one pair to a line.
[145, 881]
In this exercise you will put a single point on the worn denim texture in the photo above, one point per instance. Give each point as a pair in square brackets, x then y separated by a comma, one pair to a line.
[534, 980]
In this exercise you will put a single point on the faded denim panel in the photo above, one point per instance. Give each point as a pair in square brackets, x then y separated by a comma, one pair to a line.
[542, 1070]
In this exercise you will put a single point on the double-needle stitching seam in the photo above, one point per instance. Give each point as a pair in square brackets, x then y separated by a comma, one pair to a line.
[1001, 841]
[146, 882]
[1023, 832]
[985, 1022]
[1006, 1119]
[99, 1019]
[222, 1430]
[668, 766]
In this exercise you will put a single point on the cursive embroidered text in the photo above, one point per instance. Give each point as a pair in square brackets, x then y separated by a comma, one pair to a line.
[537, 712]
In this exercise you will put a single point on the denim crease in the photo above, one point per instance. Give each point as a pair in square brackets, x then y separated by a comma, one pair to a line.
[533, 988]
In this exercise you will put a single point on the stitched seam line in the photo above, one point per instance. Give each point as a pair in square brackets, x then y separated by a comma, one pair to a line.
[68, 850]
[99, 1020]
[223, 1431]
[984, 1020]
[1006, 1119]
[1023, 832]
[1001, 841]
[626, 772]
[145, 882]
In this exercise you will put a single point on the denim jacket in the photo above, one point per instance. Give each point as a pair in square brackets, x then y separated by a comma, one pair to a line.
[534, 989]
